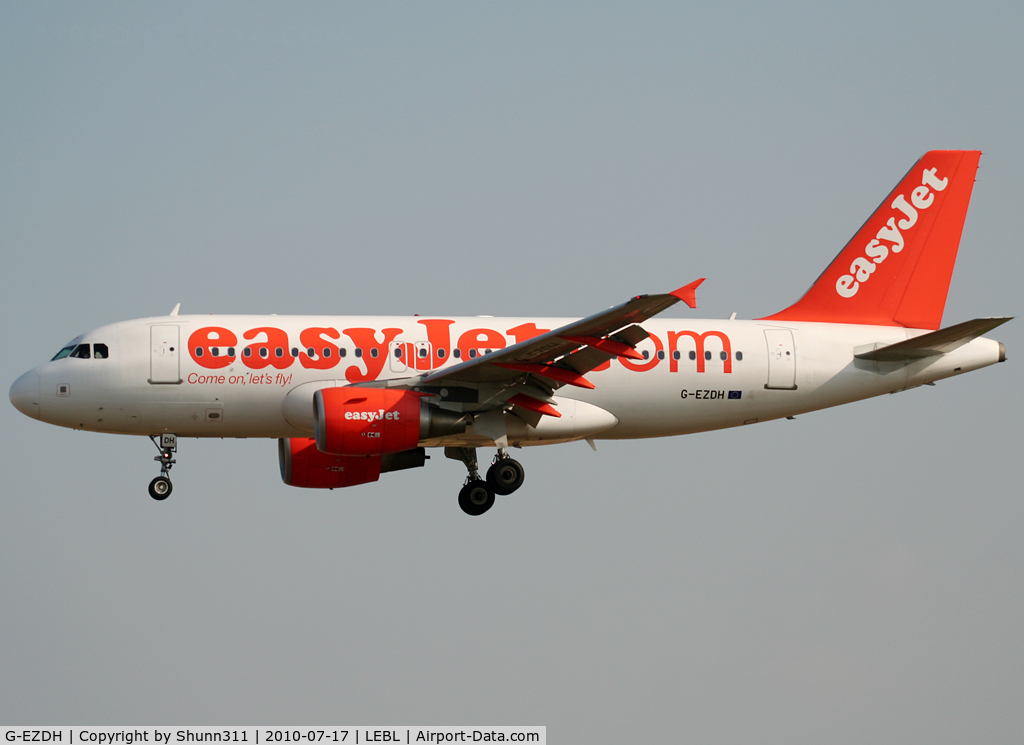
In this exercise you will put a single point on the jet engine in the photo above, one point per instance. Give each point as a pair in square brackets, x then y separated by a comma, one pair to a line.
[303, 465]
[360, 421]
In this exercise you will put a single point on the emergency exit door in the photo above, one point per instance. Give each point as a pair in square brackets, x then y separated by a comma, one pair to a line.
[164, 354]
[781, 359]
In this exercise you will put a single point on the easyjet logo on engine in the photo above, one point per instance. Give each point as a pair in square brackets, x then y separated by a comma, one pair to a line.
[889, 238]
[372, 416]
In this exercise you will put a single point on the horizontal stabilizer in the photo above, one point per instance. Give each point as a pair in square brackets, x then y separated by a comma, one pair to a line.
[934, 343]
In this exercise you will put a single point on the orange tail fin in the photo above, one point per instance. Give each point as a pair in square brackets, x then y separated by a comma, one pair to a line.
[896, 270]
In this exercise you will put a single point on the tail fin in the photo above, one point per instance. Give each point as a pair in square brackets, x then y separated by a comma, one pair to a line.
[896, 270]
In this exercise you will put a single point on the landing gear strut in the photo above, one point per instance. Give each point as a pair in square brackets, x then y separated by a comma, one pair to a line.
[476, 496]
[160, 487]
[505, 475]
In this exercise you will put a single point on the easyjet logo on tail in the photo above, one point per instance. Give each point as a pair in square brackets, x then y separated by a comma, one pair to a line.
[890, 238]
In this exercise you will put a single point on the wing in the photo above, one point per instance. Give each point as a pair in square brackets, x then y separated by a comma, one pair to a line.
[563, 356]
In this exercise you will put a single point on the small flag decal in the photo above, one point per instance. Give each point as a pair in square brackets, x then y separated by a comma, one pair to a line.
[735, 394]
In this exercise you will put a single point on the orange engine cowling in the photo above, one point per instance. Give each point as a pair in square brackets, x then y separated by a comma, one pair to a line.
[366, 421]
[303, 465]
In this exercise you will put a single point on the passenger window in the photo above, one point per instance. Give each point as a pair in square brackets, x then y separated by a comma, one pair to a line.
[373, 352]
[359, 351]
[423, 353]
[278, 352]
[647, 354]
[398, 352]
[341, 352]
[739, 355]
[295, 351]
[440, 353]
[99, 351]
[707, 355]
[661, 355]
[327, 352]
[693, 355]
[676, 355]
[81, 352]
[724, 356]
[457, 353]
[472, 353]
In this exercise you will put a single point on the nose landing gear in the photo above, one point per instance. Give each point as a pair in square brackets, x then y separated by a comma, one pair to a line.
[160, 488]
[503, 477]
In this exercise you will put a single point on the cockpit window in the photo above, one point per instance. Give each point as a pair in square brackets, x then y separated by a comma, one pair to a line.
[99, 351]
[64, 352]
[81, 352]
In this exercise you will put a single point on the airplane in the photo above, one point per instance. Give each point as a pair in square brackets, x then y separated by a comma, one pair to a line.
[352, 397]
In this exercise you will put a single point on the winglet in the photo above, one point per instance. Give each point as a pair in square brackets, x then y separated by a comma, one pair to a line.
[688, 293]
[174, 312]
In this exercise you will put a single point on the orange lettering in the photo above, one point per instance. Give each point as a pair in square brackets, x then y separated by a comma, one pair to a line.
[526, 331]
[698, 340]
[326, 352]
[374, 353]
[209, 347]
[646, 364]
[274, 351]
[440, 338]
[479, 339]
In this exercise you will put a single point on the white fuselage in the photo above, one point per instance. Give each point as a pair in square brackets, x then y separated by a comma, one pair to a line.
[699, 374]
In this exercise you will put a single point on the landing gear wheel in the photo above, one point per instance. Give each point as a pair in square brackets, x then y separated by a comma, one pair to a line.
[160, 488]
[476, 497]
[505, 475]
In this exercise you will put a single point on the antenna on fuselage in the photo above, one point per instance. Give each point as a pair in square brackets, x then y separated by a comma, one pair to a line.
[175, 311]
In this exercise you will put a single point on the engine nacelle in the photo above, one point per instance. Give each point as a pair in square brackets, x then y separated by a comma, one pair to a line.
[376, 421]
[303, 465]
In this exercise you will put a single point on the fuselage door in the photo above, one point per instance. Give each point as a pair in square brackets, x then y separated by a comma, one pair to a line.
[423, 359]
[397, 353]
[781, 359]
[164, 353]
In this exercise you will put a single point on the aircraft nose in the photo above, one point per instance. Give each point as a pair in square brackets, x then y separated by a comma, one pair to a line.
[25, 394]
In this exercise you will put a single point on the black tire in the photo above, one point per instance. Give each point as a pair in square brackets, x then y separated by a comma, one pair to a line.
[476, 497]
[160, 488]
[505, 476]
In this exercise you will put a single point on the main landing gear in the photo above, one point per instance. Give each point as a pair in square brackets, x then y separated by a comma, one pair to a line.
[160, 487]
[503, 477]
